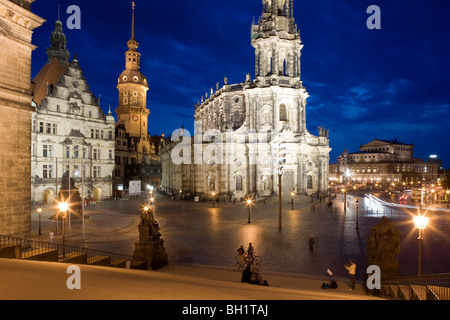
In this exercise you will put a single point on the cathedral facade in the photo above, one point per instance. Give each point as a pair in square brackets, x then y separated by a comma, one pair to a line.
[247, 134]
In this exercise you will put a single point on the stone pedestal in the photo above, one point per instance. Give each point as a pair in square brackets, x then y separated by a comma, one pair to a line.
[149, 250]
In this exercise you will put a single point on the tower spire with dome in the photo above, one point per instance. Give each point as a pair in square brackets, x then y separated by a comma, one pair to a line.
[132, 85]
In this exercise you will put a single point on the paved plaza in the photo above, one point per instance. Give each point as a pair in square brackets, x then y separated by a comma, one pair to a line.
[200, 234]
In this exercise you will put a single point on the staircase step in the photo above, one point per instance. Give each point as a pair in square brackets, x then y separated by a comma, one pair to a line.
[99, 261]
[405, 292]
[10, 251]
[74, 257]
[438, 293]
[394, 291]
[120, 263]
[419, 292]
[46, 254]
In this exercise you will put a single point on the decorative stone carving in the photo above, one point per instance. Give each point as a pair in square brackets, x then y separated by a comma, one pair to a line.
[383, 247]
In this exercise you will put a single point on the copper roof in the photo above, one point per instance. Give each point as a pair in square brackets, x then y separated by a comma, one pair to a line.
[48, 76]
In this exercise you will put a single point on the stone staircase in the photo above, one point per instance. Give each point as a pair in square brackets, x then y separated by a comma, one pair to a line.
[418, 288]
[26, 249]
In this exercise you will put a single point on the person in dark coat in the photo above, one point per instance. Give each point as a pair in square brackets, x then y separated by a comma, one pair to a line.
[246, 275]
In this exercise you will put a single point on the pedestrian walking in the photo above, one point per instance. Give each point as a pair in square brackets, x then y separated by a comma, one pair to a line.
[351, 267]
[310, 241]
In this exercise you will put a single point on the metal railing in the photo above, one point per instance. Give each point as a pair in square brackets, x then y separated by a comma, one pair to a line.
[439, 284]
[33, 247]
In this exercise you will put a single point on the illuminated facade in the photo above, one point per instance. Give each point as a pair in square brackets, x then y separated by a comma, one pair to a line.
[136, 155]
[253, 119]
[70, 132]
[383, 161]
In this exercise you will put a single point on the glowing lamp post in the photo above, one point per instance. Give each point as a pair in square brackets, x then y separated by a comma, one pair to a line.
[345, 200]
[213, 198]
[152, 200]
[420, 222]
[249, 203]
[292, 199]
[63, 207]
[39, 211]
[357, 214]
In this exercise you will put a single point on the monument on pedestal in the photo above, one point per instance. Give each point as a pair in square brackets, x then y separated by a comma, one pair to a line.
[383, 247]
[150, 246]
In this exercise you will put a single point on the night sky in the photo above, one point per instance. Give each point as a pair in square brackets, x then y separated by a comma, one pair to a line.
[389, 83]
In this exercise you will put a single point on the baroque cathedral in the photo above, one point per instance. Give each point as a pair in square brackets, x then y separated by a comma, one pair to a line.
[249, 133]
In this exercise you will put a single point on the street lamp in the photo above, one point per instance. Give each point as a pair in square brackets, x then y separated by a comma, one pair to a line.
[152, 200]
[249, 203]
[63, 207]
[420, 222]
[345, 200]
[292, 199]
[39, 211]
[357, 214]
[213, 197]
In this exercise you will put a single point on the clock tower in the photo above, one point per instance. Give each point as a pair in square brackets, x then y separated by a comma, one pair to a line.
[132, 85]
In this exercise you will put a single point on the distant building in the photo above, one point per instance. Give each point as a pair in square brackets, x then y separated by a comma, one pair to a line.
[136, 155]
[255, 120]
[70, 133]
[383, 162]
[17, 23]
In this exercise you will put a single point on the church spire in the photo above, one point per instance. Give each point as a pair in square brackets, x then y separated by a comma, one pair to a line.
[132, 43]
[277, 42]
[58, 43]
[132, 20]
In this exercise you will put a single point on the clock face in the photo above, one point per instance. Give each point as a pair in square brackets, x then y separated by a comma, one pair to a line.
[135, 118]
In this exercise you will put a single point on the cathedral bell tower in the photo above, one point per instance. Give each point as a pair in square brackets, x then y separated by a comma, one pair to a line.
[277, 43]
[132, 85]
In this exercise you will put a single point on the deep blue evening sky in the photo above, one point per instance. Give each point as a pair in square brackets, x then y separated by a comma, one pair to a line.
[388, 83]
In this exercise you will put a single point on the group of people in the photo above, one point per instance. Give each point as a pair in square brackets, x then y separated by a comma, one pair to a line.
[249, 275]
[254, 277]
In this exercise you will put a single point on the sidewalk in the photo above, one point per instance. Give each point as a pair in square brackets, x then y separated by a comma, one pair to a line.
[26, 280]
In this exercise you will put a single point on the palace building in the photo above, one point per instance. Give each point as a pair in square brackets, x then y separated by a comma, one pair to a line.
[241, 128]
[384, 162]
[70, 133]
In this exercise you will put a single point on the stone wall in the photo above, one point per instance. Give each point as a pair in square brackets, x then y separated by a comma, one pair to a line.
[15, 117]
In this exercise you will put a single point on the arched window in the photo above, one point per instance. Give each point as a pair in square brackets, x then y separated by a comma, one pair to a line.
[283, 113]
[238, 183]
[309, 182]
